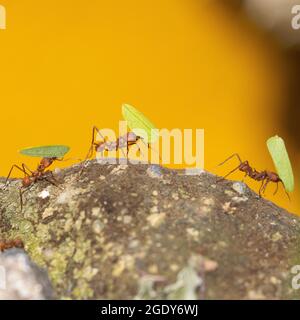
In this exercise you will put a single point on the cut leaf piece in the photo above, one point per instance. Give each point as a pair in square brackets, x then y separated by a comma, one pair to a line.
[281, 161]
[54, 151]
[136, 121]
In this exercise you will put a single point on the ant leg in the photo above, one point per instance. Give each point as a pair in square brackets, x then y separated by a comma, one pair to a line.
[53, 183]
[53, 180]
[155, 152]
[286, 191]
[245, 176]
[234, 155]
[100, 134]
[53, 177]
[21, 198]
[263, 189]
[276, 189]
[10, 172]
[140, 150]
[89, 155]
[134, 143]
[262, 184]
[90, 152]
[26, 168]
[22, 190]
[228, 174]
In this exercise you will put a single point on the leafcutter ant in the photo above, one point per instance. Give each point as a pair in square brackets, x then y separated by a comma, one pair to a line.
[125, 141]
[49, 154]
[264, 176]
[31, 177]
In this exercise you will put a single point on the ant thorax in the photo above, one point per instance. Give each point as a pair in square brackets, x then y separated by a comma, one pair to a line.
[109, 146]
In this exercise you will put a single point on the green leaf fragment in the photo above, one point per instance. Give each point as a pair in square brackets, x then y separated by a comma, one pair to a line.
[54, 151]
[281, 161]
[137, 121]
[188, 281]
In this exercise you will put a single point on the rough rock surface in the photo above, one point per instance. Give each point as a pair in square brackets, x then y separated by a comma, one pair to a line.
[142, 231]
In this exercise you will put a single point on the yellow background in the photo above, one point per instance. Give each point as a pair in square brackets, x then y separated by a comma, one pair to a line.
[68, 65]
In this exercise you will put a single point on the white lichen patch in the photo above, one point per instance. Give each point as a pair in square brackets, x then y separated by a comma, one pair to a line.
[175, 196]
[153, 269]
[239, 187]
[79, 221]
[44, 194]
[187, 284]
[98, 226]
[125, 262]
[193, 171]
[276, 236]
[193, 233]
[156, 219]
[208, 264]
[154, 209]
[154, 172]
[155, 193]
[127, 219]
[204, 210]
[256, 295]
[65, 197]
[47, 213]
[86, 273]
[96, 211]
[239, 199]
[119, 169]
[227, 208]
[229, 193]
[208, 201]
[174, 267]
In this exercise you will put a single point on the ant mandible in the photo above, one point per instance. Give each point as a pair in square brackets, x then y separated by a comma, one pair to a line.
[31, 177]
[264, 176]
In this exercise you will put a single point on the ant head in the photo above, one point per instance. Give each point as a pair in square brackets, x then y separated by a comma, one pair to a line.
[132, 137]
[274, 177]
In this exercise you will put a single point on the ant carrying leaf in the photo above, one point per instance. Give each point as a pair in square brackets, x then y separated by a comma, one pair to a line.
[141, 128]
[122, 142]
[264, 176]
[49, 154]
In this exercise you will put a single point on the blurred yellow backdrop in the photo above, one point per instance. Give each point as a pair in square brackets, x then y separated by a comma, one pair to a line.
[68, 65]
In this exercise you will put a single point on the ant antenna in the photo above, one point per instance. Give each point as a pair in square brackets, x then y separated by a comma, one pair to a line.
[234, 155]
[98, 131]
